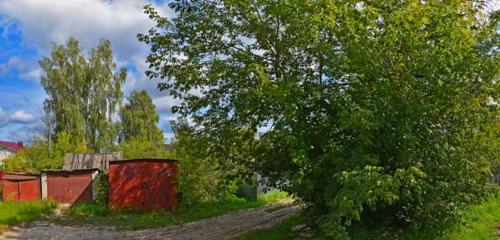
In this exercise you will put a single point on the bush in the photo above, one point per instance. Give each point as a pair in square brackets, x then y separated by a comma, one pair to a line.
[201, 177]
[102, 190]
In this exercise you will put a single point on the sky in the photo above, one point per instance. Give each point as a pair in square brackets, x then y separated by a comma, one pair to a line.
[27, 29]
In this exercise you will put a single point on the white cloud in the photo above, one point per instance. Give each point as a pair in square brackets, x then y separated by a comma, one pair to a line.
[169, 118]
[21, 116]
[44, 21]
[26, 68]
[10, 65]
[33, 74]
[87, 20]
[165, 103]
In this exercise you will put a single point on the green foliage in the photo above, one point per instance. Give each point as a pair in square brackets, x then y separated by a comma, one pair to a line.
[139, 148]
[364, 109]
[84, 93]
[41, 155]
[102, 190]
[201, 178]
[481, 222]
[274, 196]
[88, 209]
[23, 212]
[139, 120]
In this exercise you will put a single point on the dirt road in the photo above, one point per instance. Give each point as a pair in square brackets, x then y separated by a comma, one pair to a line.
[221, 227]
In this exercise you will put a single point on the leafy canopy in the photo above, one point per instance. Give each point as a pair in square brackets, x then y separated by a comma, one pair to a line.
[364, 108]
[84, 93]
[139, 120]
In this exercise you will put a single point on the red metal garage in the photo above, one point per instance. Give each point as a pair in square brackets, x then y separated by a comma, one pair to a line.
[19, 187]
[68, 186]
[144, 184]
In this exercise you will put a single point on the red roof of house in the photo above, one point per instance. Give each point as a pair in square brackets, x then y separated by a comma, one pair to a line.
[12, 145]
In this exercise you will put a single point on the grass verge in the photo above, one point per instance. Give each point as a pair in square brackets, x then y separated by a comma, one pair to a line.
[481, 222]
[91, 213]
[12, 213]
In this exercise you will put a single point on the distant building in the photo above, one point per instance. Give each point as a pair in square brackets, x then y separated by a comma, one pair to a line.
[9, 148]
[168, 147]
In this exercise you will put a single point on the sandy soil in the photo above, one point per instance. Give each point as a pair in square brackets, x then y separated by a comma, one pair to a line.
[221, 227]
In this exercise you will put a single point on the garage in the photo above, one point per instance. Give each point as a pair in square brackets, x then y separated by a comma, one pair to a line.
[144, 184]
[68, 187]
[20, 187]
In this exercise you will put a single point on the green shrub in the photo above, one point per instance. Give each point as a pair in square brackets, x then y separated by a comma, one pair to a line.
[102, 189]
[201, 176]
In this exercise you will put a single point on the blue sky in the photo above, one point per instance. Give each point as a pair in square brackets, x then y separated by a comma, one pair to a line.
[27, 28]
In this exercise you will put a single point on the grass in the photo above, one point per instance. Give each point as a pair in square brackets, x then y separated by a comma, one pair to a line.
[12, 213]
[91, 213]
[481, 222]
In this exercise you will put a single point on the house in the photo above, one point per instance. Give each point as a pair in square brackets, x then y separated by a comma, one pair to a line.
[168, 147]
[9, 148]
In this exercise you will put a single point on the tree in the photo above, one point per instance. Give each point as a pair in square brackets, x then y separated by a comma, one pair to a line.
[201, 177]
[139, 120]
[365, 109]
[84, 93]
[37, 156]
[140, 148]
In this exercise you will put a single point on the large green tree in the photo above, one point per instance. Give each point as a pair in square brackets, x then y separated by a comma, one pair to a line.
[84, 93]
[366, 110]
[139, 120]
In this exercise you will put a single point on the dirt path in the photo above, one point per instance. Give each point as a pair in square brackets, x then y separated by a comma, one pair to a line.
[221, 227]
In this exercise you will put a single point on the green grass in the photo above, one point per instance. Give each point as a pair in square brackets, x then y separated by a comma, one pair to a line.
[481, 222]
[91, 213]
[274, 196]
[14, 213]
[280, 232]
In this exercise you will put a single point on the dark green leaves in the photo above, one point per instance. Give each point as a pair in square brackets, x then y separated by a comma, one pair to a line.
[366, 91]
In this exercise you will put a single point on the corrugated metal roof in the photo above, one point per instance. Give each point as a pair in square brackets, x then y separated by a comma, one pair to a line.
[99, 161]
[20, 176]
[12, 145]
[90, 170]
[144, 160]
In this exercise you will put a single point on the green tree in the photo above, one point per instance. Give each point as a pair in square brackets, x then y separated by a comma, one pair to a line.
[139, 120]
[365, 109]
[84, 93]
[201, 176]
[140, 148]
[37, 155]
